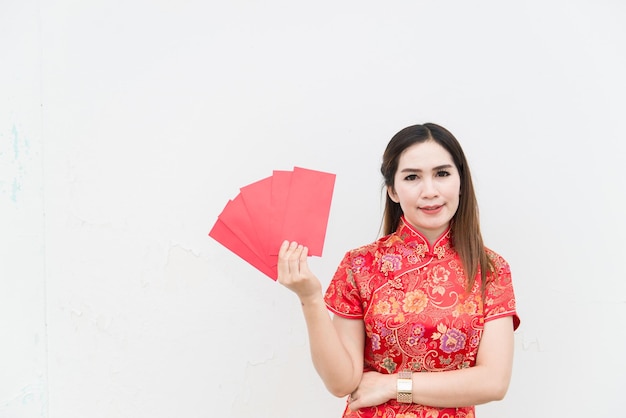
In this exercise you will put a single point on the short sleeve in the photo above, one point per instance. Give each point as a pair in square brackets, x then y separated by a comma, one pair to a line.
[342, 296]
[500, 296]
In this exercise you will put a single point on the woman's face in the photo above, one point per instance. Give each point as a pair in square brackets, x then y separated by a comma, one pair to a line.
[427, 186]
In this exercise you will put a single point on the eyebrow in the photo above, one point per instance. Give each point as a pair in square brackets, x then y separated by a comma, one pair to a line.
[418, 170]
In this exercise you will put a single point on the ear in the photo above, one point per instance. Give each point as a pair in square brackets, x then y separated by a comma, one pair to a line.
[392, 194]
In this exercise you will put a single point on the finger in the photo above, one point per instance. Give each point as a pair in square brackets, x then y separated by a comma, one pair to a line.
[285, 253]
[294, 258]
[303, 259]
[283, 266]
[353, 404]
[283, 248]
[287, 250]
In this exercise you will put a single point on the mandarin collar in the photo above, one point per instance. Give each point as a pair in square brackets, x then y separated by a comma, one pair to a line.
[410, 250]
[414, 238]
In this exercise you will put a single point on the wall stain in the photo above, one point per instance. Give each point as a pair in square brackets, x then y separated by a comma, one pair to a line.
[14, 156]
[30, 398]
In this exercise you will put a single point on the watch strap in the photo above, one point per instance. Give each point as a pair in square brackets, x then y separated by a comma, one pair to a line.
[404, 387]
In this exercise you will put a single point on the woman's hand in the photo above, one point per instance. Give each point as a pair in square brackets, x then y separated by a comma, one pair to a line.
[375, 389]
[294, 273]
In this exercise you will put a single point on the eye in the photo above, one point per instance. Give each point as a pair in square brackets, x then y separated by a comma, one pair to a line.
[443, 173]
[411, 177]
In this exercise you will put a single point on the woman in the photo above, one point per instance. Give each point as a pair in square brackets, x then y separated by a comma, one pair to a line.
[424, 317]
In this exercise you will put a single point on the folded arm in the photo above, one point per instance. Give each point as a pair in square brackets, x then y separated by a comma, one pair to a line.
[487, 381]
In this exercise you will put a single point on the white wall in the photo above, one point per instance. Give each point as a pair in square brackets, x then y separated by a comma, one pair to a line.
[125, 126]
[23, 275]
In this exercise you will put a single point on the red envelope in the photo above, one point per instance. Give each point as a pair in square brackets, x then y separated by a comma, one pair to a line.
[257, 200]
[228, 239]
[289, 205]
[281, 181]
[307, 209]
[236, 218]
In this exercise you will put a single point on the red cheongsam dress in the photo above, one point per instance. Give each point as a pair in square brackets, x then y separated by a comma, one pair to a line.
[418, 315]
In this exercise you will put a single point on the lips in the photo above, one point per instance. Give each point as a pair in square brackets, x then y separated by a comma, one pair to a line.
[431, 209]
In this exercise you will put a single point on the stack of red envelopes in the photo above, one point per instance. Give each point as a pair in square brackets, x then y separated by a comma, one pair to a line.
[289, 205]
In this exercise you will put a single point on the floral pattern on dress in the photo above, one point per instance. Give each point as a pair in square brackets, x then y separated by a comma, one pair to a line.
[416, 310]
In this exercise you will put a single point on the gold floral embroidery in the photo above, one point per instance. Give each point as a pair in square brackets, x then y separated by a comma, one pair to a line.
[395, 309]
[421, 250]
[415, 302]
[469, 307]
[440, 251]
[438, 276]
[382, 308]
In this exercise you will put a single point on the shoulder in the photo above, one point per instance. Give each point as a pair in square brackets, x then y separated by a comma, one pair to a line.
[500, 295]
[363, 258]
[381, 245]
[500, 264]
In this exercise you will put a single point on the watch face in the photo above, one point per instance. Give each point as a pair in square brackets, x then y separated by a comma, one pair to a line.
[405, 385]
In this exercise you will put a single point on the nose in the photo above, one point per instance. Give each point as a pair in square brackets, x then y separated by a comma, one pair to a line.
[429, 188]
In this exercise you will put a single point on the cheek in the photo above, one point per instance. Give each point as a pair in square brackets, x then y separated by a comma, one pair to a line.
[457, 198]
[406, 192]
[454, 193]
[456, 188]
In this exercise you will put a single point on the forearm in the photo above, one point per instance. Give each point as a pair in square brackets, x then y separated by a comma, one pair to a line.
[337, 368]
[445, 389]
[457, 388]
[336, 346]
[488, 380]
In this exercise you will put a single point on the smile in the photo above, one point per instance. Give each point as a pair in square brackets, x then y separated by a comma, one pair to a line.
[431, 209]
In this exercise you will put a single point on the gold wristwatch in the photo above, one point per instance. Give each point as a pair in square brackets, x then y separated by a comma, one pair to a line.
[404, 387]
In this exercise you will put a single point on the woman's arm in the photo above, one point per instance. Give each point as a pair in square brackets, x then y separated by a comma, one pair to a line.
[336, 345]
[487, 381]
